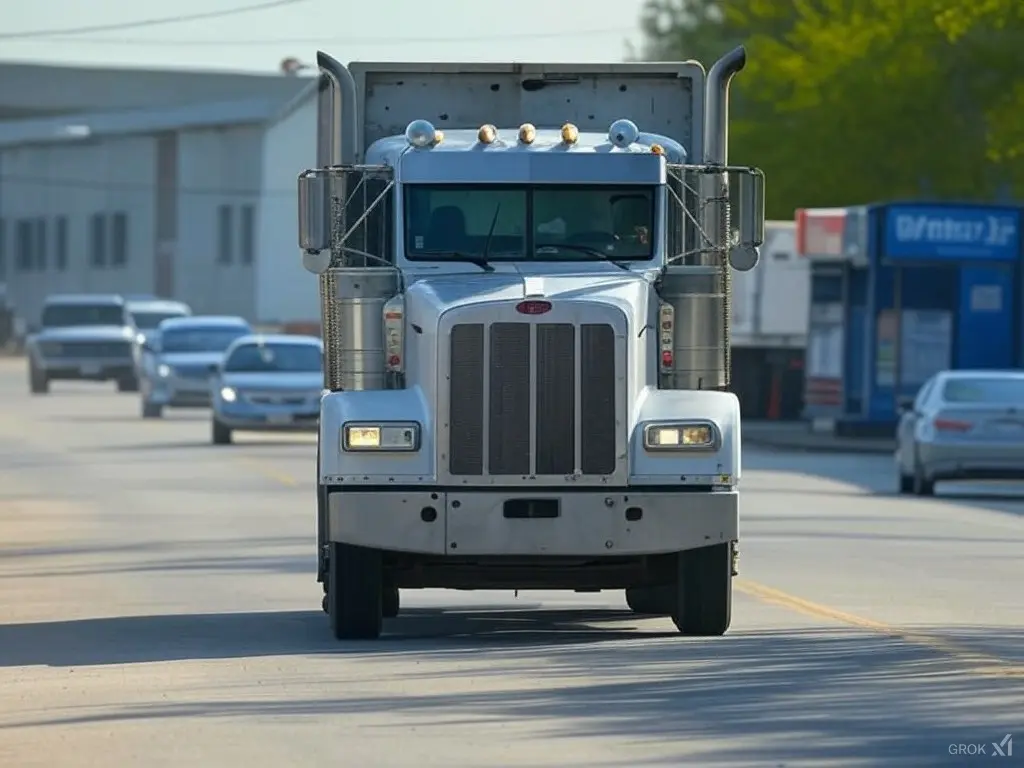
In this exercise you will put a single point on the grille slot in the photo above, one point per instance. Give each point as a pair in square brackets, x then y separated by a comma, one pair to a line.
[509, 396]
[466, 407]
[556, 399]
[597, 399]
[544, 393]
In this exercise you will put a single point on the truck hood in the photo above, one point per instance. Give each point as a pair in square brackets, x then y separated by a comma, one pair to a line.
[85, 333]
[270, 382]
[427, 299]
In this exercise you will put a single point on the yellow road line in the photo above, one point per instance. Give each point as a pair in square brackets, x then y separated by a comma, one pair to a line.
[978, 663]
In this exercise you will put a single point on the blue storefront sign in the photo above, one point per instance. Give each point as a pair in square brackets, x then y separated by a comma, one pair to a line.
[940, 232]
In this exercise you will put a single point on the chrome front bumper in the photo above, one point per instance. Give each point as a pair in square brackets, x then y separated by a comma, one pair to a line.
[598, 522]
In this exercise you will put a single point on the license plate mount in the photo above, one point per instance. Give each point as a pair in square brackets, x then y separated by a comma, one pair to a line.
[89, 369]
[280, 419]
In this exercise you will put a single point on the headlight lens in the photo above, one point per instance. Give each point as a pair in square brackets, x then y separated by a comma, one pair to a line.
[681, 436]
[404, 436]
[163, 371]
[228, 395]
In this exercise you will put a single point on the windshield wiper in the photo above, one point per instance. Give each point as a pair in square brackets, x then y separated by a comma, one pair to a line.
[587, 249]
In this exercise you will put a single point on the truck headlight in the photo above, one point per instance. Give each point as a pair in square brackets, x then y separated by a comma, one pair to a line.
[163, 371]
[380, 436]
[681, 436]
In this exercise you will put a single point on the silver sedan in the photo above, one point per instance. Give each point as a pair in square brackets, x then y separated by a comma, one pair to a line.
[963, 425]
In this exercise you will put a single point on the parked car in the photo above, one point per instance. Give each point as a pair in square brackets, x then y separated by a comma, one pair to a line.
[183, 358]
[82, 337]
[271, 382]
[963, 425]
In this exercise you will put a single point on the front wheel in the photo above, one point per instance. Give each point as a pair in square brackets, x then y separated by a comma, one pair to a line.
[151, 410]
[220, 434]
[128, 383]
[703, 606]
[355, 592]
[38, 382]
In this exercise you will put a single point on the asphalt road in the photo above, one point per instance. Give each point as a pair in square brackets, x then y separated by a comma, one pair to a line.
[158, 608]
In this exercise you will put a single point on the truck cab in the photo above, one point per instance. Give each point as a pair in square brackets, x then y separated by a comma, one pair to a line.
[525, 304]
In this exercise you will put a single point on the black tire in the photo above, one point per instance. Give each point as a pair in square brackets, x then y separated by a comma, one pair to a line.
[355, 595]
[219, 433]
[921, 485]
[128, 383]
[151, 410]
[906, 483]
[391, 602]
[651, 601]
[704, 591]
[38, 382]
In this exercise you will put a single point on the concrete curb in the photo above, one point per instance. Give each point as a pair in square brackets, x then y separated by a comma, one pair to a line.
[832, 448]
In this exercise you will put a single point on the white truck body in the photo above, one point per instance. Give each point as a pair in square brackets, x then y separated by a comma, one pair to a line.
[505, 405]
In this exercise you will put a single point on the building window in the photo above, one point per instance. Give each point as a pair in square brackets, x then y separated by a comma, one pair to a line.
[3, 249]
[98, 240]
[40, 244]
[119, 239]
[225, 244]
[60, 245]
[24, 245]
[247, 239]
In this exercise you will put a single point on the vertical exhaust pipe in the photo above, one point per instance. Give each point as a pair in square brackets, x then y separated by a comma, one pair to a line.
[715, 187]
[335, 145]
[337, 123]
[716, 105]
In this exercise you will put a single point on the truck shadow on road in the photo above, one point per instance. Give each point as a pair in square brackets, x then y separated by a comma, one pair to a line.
[179, 637]
[759, 697]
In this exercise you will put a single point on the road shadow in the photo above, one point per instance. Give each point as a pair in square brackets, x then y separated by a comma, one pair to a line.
[179, 637]
[766, 698]
[873, 475]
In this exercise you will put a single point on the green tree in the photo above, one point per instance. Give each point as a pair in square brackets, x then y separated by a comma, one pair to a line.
[849, 101]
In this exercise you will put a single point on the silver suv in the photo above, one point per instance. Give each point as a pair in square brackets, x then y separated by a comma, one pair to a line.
[82, 337]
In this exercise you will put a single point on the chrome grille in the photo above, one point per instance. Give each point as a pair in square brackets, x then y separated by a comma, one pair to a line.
[115, 349]
[563, 373]
[268, 398]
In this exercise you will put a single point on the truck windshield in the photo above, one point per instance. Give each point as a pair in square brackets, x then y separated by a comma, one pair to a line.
[550, 222]
[69, 315]
[200, 339]
[275, 358]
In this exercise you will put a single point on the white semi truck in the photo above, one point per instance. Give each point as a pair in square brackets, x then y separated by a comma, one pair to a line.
[524, 291]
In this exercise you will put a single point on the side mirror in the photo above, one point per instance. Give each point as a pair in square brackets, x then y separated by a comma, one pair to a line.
[905, 405]
[314, 214]
[746, 186]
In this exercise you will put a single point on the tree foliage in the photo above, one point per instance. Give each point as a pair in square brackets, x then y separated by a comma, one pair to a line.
[850, 101]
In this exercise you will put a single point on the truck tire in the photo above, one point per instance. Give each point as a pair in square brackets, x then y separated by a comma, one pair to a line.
[219, 434]
[38, 382]
[390, 602]
[355, 592]
[151, 410]
[703, 606]
[651, 601]
[128, 383]
[921, 485]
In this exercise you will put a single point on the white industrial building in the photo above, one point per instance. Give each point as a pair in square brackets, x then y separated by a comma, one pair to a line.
[195, 201]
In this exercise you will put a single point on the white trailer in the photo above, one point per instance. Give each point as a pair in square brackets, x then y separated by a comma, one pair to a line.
[524, 290]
